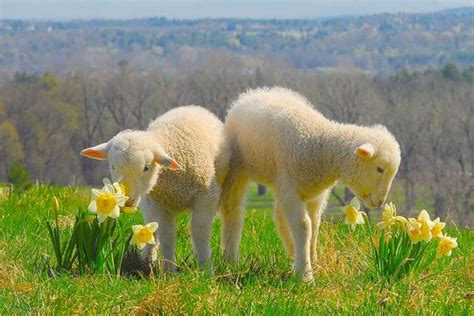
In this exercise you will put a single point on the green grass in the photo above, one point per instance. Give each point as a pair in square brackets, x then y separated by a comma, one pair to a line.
[261, 284]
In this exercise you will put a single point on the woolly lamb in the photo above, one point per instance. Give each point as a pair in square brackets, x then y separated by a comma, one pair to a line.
[279, 140]
[179, 162]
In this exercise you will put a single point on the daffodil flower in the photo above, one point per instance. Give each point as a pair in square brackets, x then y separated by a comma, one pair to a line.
[390, 218]
[143, 235]
[426, 225]
[414, 230]
[353, 215]
[437, 230]
[120, 187]
[446, 244]
[106, 202]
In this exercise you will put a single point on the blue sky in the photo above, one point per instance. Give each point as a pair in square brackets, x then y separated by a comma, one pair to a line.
[71, 9]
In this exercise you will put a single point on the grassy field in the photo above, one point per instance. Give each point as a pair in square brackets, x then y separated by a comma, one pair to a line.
[261, 284]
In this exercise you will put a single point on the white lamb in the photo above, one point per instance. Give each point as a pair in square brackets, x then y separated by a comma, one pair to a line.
[279, 140]
[189, 142]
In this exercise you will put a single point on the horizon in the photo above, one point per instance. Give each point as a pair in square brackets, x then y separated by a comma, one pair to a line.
[59, 10]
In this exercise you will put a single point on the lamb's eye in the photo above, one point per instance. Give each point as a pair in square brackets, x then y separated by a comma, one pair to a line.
[146, 168]
[113, 168]
[380, 169]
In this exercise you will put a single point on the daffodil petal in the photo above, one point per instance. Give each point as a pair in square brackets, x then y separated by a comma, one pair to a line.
[136, 228]
[152, 241]
[101, 218]
[92, 206]
[96, 193]
[355, 202]
[153, 226]
[115, 212]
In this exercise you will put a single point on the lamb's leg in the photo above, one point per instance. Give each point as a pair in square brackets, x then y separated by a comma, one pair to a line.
[167, 237]
[294, 211]
[315, 209]
[284, 231]
[231, 210]
[202, 216]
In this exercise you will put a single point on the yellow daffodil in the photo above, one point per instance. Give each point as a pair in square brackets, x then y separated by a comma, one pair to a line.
[437, 230]
[119, 187]
[352, 214]
[143, 235]
[123, 188]
[414, 230]
[426, 225]
[106, 202]
[390, 218]
[446, 244]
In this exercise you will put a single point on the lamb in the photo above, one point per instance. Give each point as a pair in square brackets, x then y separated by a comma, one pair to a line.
[278, 139]
[180, 162]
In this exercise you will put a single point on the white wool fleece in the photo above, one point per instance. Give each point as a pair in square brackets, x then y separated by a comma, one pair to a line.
[278, 139]
[178, 163]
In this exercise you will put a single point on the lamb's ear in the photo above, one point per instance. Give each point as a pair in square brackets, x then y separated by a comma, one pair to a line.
[162, 158]
[98, 152]
[365, 151]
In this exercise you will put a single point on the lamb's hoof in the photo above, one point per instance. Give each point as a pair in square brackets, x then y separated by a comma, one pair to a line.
[307, 277]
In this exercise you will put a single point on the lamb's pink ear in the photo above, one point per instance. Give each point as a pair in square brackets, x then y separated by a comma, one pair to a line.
[98, 152]
[365, 151]
[162, 158]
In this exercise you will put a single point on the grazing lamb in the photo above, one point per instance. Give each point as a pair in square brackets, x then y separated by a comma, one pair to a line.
[179, 162]
[279, 140]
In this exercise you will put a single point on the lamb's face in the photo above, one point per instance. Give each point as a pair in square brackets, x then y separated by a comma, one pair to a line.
[372, 173]
[133, 160]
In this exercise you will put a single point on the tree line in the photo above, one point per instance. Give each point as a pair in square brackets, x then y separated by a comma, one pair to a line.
[45, 119]
[382, 43]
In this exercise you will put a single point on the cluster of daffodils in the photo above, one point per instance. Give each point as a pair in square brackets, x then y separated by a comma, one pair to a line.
[110, 202]
[421, 229]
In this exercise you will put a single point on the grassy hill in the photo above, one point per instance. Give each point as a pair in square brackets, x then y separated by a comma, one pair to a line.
[262, 283]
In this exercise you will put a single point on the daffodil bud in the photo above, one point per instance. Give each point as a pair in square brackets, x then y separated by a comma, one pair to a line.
[129, 210]
[89, 218]
[55, 204]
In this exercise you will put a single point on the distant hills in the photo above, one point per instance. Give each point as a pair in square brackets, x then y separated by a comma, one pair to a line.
[381, 43]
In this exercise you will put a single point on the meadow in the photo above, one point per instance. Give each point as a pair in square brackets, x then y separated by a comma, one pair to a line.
[345, 281]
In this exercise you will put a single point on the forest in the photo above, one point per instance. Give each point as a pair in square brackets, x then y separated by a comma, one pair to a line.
[378, 44]
[46, 119]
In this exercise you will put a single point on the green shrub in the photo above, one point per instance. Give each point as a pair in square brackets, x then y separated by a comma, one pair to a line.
[19, 176]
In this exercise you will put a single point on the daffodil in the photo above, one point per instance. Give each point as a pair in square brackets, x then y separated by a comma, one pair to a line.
[414, 230]
[119, 187]
[446, 244]
[143, 235]
[123, 188]
[353, 215]
[426, 225]
[437, 230]
[106, 202]
[390, 218]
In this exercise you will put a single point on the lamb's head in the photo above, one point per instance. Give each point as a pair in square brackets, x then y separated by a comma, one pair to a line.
[135, 160]
[373, 166]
